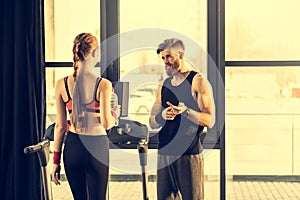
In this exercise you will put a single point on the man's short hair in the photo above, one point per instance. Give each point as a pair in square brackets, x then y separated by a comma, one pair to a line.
[170, 43]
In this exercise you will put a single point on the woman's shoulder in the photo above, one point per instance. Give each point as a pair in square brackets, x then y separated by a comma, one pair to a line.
[60, 83]
[105, 83]
[62, 80]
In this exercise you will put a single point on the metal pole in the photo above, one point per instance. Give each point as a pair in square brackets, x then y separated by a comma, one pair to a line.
[143, 149]
[216, 51]
[43, 150]
[145, 183]
[46, 184]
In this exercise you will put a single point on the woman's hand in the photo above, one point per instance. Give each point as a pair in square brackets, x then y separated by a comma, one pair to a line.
[56, 174]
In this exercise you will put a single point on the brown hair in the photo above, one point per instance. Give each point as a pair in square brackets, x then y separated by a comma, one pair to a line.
[84, 43]
[170, 43]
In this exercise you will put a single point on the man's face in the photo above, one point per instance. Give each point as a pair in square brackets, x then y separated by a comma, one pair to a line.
[172, 61]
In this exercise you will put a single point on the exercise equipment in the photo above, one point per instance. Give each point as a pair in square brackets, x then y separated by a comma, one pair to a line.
[128, 134]
[132, 134]
[42, 149]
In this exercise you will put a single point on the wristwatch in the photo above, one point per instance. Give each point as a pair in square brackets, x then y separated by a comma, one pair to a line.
[186, 112]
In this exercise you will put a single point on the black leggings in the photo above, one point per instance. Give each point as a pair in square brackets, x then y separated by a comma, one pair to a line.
[86, 161]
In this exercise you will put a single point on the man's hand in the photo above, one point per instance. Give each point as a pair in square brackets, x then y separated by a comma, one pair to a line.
[168, 113]
[177, 110]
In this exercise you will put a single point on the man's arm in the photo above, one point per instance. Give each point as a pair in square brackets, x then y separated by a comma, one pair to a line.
[204, 97]
[159, 115]
[205, 101]
[156, 109]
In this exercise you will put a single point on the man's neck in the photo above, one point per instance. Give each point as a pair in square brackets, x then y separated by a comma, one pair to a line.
[180, 75]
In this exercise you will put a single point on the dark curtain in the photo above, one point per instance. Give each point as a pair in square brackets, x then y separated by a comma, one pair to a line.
[22, 97]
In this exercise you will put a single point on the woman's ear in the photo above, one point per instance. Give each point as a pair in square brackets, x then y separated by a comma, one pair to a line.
[94, 52]
[181, 55]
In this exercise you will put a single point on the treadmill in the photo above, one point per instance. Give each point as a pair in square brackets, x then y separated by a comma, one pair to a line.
[128, 134]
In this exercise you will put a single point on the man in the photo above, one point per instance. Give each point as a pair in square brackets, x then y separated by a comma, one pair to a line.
[184, 105]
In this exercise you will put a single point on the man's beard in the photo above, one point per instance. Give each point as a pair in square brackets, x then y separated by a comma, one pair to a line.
[172, 69]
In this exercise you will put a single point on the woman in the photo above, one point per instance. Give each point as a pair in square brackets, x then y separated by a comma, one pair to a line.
[86, 149]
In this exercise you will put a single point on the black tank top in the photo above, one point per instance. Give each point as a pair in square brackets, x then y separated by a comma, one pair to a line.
[179, 136]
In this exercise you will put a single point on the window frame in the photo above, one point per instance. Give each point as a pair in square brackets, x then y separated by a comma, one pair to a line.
[216, 50]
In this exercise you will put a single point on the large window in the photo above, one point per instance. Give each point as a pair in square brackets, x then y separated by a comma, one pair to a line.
[262, 30]
[262, 92]
[262, 101]
[141, 67]
[148, 23]
[143, 25]
[63, 21]
[262, 111]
